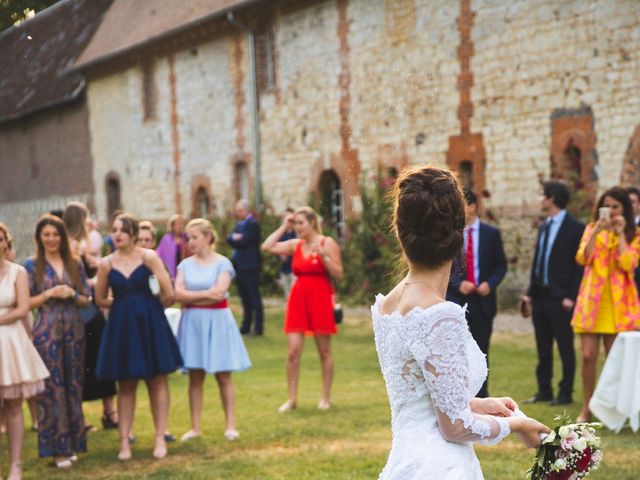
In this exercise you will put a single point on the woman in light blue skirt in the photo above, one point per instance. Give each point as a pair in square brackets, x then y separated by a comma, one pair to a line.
[208, 335]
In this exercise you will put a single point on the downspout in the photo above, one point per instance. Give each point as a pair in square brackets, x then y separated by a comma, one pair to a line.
[254, 108]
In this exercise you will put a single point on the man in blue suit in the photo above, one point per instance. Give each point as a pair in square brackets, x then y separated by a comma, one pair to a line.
[475, 276]
[245, 240]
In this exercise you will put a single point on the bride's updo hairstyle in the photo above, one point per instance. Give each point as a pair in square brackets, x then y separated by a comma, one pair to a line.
[428, 215]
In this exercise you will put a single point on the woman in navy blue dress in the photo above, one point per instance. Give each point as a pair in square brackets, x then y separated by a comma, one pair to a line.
[137, 342]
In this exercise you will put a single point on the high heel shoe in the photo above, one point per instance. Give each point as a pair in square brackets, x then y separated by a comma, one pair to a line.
[108, 423]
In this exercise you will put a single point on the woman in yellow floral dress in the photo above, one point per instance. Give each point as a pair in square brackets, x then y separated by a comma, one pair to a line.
[607, 301]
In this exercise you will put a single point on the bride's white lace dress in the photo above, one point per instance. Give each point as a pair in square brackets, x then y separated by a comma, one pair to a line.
[433, 368]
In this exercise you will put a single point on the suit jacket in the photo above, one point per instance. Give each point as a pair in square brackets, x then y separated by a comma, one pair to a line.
[492, 265]
[563, 271]
[246, 251]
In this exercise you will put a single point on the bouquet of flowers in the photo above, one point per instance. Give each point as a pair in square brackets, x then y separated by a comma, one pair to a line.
[569, 452]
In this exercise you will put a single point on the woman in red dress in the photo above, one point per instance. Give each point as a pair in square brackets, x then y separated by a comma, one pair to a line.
[316, 259]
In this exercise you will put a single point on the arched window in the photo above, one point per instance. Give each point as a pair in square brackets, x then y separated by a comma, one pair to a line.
[465, 171]
[202, 203]
[112, 189]
[331, 205]
[241, 175]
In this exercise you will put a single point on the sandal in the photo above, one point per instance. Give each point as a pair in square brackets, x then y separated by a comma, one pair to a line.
[231, 435]
[108, 423]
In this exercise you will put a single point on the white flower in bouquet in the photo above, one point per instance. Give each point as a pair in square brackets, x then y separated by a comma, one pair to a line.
[580, 444]
[560, 464]
[549, 438]
[564, 431]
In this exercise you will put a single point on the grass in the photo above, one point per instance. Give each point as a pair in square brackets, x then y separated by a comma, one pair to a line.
[350, 441]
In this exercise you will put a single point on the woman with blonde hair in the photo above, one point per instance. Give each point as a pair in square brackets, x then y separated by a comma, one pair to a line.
[22, 372]
[310, 310]
[173, 245]
[58, 289]
[607, 301]
[208, 334]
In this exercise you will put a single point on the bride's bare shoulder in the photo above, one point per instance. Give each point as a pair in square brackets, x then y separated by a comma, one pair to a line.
[402, 299]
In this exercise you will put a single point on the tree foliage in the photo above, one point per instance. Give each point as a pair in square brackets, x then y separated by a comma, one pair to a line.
[12, 11]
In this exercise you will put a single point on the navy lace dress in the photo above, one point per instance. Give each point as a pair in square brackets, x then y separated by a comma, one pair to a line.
[137, 341]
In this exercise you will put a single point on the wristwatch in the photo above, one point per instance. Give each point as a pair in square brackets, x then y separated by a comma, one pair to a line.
[75, 297]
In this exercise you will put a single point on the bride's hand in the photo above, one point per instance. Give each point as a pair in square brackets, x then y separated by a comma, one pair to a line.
[528, 430]
[499, 407]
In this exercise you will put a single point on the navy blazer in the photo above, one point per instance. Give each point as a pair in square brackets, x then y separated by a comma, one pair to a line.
[246, 251]
[492, 266]
[564, 272]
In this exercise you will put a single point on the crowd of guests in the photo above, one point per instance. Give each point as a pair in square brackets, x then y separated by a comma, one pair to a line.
[584, 281]
[100, 325]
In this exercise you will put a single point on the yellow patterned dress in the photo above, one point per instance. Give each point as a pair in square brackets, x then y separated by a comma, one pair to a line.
[607, 301]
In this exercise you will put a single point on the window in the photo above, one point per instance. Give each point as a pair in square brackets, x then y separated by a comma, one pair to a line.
[241, 175]
[202, 203]
[113, 194]
[331, 204]
[149, 92]
[264, 42]
[465, 172]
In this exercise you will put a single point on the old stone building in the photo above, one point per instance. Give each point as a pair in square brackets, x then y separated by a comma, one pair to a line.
[45, 154]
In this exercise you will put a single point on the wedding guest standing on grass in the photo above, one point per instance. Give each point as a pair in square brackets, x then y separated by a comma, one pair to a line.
[316, 259]
[77, 221]
[208, 335]
[58, 288]
[137, 342]
[608, 297]
[22, 372]
[287, 277]
[245, 240]
[173, 245]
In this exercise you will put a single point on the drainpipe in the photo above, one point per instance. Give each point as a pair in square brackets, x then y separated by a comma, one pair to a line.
[254, 107]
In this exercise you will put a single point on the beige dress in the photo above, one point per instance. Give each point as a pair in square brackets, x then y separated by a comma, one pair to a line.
[22, 371]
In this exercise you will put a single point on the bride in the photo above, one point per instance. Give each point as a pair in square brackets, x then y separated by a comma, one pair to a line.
[430, 363]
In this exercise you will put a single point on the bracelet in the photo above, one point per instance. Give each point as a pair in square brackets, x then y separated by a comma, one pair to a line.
[75, 296]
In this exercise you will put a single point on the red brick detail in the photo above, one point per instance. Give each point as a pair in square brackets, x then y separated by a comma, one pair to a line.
[349, 170]
[630, 175]
[350, 186]
[175, 133]
[571, 130]
[466, 147]
[198, 183]
[238, 82]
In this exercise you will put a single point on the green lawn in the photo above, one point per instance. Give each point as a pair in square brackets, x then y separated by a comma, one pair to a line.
[350, 441]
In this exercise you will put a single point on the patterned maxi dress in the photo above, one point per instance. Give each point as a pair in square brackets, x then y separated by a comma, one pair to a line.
[58, 335]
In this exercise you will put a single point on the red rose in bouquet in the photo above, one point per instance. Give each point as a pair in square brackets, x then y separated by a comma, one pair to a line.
[562, 475]
[582, 465]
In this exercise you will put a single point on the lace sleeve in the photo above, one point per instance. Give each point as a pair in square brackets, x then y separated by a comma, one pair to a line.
[441, 352]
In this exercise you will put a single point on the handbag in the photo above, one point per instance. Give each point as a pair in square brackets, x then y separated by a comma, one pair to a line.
[338, 313]
[88, 313]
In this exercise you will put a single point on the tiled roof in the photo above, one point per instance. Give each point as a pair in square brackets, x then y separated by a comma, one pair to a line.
[37, 54]
[130, 24]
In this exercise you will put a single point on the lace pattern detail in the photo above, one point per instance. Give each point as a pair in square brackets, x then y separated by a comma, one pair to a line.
[430, 353]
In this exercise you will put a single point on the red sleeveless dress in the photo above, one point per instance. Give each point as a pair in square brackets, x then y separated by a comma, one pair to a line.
[310, 305]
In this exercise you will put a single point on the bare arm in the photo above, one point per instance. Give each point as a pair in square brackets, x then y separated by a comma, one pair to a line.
[272, 245]
[22, 300]
[153, 261]
[332, 258]
[102, 285]
[188, 296]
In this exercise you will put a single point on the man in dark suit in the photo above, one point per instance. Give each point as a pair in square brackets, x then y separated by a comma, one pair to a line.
[553, 287]
[245, 240]
[634, 196]
[475, 276]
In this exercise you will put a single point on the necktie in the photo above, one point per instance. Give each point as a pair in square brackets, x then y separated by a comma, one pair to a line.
[471, 273]
[542, 261]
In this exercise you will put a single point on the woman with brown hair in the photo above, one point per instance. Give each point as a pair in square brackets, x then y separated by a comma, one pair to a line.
[431, 365]
[137, 342]
[77, 220]
[607, 301]
[58, 288]
[316, 260]
[22, 371]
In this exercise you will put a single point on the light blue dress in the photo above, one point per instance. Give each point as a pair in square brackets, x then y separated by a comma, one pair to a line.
[209, 339]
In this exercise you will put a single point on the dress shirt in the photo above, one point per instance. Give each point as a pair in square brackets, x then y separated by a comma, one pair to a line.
[475, 229]
[558, 218]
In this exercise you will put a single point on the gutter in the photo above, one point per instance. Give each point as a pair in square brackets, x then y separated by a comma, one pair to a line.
[254, 108]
